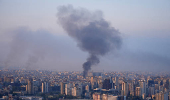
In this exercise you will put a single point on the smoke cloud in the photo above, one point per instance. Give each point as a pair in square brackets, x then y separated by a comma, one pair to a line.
[91, 31]
[23, 48]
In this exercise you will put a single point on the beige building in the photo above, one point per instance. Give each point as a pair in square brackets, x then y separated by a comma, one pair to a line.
[161, 96]
[30, 86]
[62, 88]
[138, 91]
[124, 88]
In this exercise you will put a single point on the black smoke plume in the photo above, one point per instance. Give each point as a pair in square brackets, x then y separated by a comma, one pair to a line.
[91, 31]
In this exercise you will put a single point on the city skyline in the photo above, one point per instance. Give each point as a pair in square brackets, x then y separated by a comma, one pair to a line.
[31, 37]
[55, 85]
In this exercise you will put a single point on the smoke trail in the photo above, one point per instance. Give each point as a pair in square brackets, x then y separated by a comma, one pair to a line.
[92, 33]
[28, 48]
[92, 60]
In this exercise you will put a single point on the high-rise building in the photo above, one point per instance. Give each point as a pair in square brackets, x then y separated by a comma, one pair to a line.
[131, 89]
[87, 88]
[77, 91]
[62, 88]
[151, 91]
[92, 82]
[150, 82]
[138, 91]
[44, 88]
[161, 96]
[142, 84]
[107, 84]
[74, 91]
[97, 96]
[116, 81]
[125, 88]
[30, 86]
[68, 89]
[160, 83]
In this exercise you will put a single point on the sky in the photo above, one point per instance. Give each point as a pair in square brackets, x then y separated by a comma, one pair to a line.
[32, 38]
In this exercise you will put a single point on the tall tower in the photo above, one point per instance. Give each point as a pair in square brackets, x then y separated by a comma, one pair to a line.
[138, 91]
[142, 84]
[44, 88]
[92, 82]
[62, 87]
[125, 88]
[87, 88]
[68, 89]
[30, 86]
[116, 81]
[131, 88]
[74, 91]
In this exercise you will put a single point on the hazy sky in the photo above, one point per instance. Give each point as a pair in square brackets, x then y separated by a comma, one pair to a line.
[31, 37]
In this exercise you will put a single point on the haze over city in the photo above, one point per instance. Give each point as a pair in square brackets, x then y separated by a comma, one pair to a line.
[35, 35]
[84, 50]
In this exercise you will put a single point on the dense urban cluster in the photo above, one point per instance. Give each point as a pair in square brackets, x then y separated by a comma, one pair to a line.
[53, 85]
